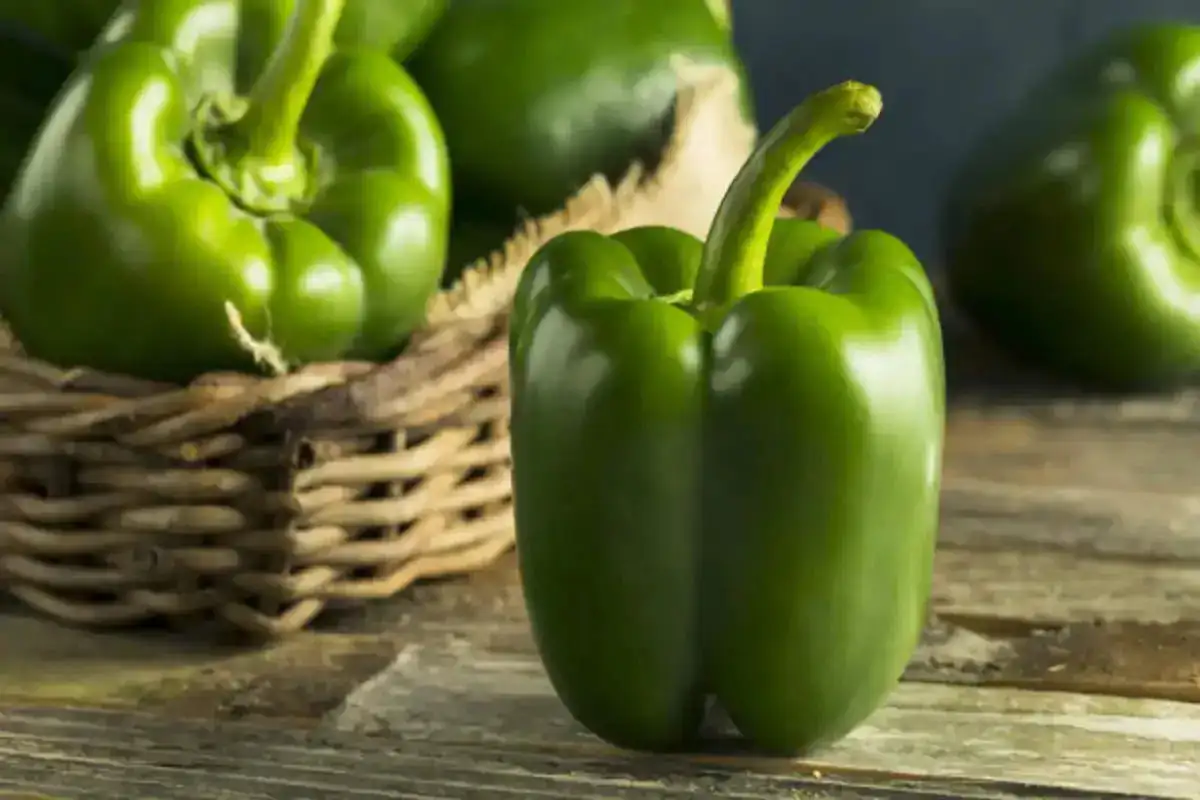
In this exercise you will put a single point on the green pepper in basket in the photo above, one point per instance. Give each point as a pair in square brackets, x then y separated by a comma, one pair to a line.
[155, 200]
[1073, 232]
[538, 96]
[734, 492]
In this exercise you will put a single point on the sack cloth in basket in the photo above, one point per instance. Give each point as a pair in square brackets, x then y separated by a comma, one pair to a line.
[258, 501]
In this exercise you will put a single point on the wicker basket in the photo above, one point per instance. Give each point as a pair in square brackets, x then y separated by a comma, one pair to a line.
[259, 501]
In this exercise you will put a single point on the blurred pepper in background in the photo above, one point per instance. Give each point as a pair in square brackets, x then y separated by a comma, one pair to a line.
[1073, 230]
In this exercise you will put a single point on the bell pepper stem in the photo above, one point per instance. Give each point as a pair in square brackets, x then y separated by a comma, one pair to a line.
[732, 262]
[278, 98]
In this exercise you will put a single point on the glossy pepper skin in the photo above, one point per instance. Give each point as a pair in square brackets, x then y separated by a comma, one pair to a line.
[155, 201]
[729, 489]
[1072, 233]
[538, 96]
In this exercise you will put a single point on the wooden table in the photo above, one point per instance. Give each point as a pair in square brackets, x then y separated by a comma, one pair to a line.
[1062, 659]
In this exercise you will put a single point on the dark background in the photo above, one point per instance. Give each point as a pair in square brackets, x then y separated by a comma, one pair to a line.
[946, 69]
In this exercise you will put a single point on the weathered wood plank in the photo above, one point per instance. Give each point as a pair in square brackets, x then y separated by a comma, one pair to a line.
[302, 677]
[483, 685]
[1026, 484]
[1124, 660]
[74, 754]
[1002, 620]
[1054, 588]
[1018, 619]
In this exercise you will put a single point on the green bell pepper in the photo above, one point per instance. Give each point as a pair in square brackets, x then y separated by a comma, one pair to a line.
[538, 96]
[1072, 234]
[729, 490]
[155, 201]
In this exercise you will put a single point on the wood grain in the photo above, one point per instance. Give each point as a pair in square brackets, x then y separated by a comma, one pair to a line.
[482, 685]
[75, 754]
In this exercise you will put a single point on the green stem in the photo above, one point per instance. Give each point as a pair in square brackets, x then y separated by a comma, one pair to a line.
[279, 95]
[732, 264]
